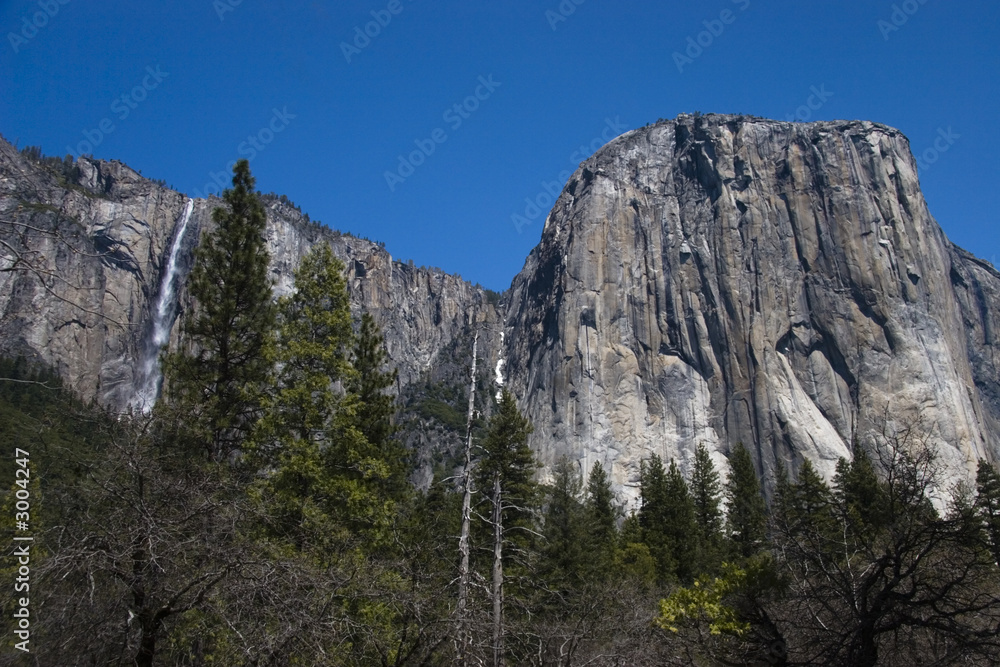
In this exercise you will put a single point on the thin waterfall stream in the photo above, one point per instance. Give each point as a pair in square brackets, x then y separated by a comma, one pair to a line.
[164, 310]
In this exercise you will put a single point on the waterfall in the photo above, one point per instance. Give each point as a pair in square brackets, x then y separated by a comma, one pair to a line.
[164, 310]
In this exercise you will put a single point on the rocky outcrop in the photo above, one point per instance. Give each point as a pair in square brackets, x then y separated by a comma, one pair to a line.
[83, 245]
[705, 280]
[97, 243]
[719, 279]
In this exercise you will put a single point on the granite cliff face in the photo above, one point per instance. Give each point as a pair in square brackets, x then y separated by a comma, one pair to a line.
[704, 280]
[721, 279]
[94, 240]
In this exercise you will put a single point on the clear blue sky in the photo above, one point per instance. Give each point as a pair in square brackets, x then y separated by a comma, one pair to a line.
[221, 79]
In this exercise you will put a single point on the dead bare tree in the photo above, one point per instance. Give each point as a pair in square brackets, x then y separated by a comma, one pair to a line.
[891, 580]
[462, 638]
[147, 539]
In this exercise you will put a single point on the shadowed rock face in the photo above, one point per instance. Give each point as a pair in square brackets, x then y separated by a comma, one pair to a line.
[102, 242]
[722, 279]
[704, 280]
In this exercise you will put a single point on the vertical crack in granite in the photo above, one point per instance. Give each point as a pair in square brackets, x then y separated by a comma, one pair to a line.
[787, 286]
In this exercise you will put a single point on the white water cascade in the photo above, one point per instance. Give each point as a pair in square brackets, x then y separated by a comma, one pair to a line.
[148, 385]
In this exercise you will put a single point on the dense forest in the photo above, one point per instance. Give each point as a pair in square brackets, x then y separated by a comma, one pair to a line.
[262, 515]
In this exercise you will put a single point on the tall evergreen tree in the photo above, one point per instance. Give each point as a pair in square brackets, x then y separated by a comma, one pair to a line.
[858, 492]
[706, 493]
[565, 551]
[376, 408]
[507, 458]
[746, 511]
[506, 472]
[681, 525]
[809, 508]
[780, 510]
[988, 504]
[325, 480]
[653, 516]
[601, 517]
[634, 557]
[217, 388]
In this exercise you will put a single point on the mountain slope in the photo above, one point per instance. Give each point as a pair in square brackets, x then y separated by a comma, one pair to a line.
[708, 279]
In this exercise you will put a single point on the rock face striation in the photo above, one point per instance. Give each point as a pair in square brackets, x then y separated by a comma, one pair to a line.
[719, 279]
[705, 280]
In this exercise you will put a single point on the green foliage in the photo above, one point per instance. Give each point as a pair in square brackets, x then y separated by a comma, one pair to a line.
[811, 502]
[432, 521]
[704, 602]
[706, 493]
[325, 481]
[492, 297]
[680, 524]
[667, 517]
[653, 519]
[635, 561]
[443, 412]
[443, 402]
[218, 388]
[859, 493]
[746, 511]
[565, 552]
[61, 434]
[506, 457]
[987, 504]
[601, 522]
[633, 557]
[65, 170]
[376, 408]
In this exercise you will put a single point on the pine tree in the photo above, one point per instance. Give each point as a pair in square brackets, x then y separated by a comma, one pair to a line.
[780, 510]
[506, 457]
[565, 551]
[325, 479]
[376, 408]
[653, 519]
[634, 557]
[601, 517]
[506, 473]
[746, 511]
[706, 493]
[681, 525]
[810, 507]
[988, 504]
[858, 492]
[217, 388]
